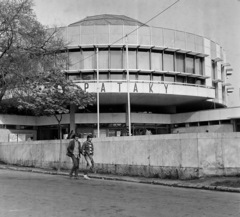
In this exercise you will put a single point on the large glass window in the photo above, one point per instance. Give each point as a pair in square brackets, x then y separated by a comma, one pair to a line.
[198, 66]
[200, 81]
[144, 77]
[132, 76]
[190, 80]
[103, 76]
[74, 76]
[156, 58]
[168, 61]
[132, 57]
[74, 58]
[103, 60]
[213, 70]
[117, 76]
[157, 77]
[116, 59]
[169, 78]
[87, 76]
[180, 62]
[88, 60]
[189, 64]
[180, 79]
[143, 59]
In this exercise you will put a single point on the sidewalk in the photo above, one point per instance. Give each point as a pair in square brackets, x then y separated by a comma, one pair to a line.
[209, 183]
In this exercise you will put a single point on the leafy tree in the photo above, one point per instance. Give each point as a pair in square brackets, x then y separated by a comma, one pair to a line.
[28, 50]
[53, 98]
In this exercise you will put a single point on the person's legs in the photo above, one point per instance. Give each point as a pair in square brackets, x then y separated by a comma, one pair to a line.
[76, 167]
[89, 165]
[74, 160]
[92, 162]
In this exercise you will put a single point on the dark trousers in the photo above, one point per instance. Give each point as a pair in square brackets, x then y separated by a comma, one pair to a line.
[90, 163]
[75, 167]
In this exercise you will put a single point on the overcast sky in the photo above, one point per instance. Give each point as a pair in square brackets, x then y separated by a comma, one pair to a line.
[218, 20]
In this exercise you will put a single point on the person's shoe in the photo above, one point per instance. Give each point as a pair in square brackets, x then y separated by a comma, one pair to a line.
[76, 177]
[86, 177]
[70, 176]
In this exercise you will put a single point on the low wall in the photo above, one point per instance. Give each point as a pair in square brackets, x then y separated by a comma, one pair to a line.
[181, 156]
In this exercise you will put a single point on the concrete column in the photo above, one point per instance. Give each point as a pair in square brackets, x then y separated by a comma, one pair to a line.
[72, 118]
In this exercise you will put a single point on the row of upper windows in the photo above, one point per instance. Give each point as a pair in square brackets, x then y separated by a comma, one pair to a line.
[136, 76]
[137, 59]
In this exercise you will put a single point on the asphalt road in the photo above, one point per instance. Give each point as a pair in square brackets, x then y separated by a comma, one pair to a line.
[24, 194]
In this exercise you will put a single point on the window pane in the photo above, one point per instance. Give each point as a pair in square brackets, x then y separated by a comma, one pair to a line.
[103, 60]
[144, 77]
[180, 79]
[168, 61]
[169, 78]
[116, 59]
[180, 62]
[132, 59]
[88, 60]
[157, 77]
[74, 77]
[87, 76]
[190, 80]
[143, 60]
[156, 61]
[132, 76]
[115, 76]
[198, 66]
[213, 70]
[103, 76]
[74, 58]
[200, 81]
[189, 64]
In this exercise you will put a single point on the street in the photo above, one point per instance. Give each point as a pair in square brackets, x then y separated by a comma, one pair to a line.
[25, 194]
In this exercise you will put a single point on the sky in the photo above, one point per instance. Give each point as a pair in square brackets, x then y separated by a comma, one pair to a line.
[218, 20]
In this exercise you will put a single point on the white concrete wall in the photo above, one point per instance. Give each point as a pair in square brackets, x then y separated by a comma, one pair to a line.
[207, 153]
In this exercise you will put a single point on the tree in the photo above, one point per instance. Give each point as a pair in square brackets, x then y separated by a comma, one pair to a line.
[28, 50]
[54, 97]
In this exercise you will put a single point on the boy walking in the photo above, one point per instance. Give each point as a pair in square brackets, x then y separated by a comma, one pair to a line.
[87, 152]
[73, 151]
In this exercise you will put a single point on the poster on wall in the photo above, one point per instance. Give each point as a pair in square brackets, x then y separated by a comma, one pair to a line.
[13, 137]
[21, 137]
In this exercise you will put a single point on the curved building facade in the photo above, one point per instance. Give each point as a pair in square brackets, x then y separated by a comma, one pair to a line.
[170, 71]
[166, 75]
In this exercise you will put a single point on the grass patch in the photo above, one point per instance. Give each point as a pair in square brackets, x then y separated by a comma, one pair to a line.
[228, 183]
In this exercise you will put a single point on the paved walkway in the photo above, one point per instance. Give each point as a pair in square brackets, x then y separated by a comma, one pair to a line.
[202, 183]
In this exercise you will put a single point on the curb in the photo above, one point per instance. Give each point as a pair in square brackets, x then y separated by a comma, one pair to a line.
[203, 187]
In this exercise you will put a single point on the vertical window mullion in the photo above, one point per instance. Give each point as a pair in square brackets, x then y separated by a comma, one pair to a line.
[163, 60]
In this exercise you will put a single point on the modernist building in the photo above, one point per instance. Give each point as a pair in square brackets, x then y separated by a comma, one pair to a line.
[177, 80]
